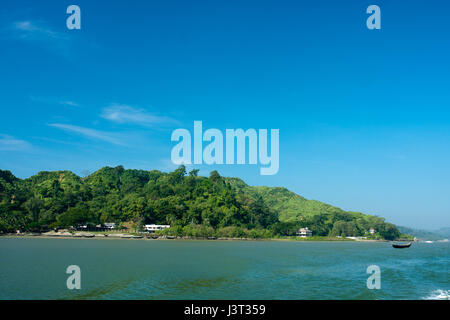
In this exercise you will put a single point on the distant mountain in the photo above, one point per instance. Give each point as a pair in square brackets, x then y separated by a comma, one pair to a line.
[443, 233]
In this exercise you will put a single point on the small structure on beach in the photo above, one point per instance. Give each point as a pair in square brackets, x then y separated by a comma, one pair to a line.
[110, 225]
[89, 227]
[155, 227]
[372, 231]
[304, 232]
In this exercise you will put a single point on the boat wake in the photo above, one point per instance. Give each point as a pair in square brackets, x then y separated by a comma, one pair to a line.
[439, 295]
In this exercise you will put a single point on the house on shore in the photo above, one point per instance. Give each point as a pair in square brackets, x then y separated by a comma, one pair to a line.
[372, 231]
[304, 233]
[110, 225]
[155, 227]
[94, 227]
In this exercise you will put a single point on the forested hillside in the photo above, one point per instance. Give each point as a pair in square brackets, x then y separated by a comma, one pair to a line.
[191, 204]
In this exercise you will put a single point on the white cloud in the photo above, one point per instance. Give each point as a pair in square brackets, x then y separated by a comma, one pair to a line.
[69, 103]
[40, 34]
[54, 100]
[9, 143]
[35, 31]
[90, 133]
[126, 114]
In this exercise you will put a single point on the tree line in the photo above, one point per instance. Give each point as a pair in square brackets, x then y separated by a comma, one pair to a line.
[193, 205]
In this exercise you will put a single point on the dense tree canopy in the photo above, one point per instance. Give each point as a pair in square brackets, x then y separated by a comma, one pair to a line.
[191, 204]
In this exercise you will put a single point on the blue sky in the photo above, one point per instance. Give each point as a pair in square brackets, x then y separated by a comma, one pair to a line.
[363, 115]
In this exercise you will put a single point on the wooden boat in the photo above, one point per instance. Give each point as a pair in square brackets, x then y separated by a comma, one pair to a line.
[131, 236]
[401, 245]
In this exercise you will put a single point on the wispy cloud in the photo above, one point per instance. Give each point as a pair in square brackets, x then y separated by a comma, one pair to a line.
[35, 30]
[90, 133]
[125, 114]
[9, 143]
[54, 100]
[69, 103]
[43, 35]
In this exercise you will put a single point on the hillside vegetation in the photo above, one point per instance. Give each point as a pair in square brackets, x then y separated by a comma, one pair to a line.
[193, 205]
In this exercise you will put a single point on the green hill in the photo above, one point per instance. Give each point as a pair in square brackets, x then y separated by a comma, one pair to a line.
[290, 206]
[191, 204]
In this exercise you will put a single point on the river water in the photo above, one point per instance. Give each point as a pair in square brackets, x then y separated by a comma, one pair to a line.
[35, 268]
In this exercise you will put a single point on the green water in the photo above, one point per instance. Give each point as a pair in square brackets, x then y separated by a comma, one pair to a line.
[152, 269]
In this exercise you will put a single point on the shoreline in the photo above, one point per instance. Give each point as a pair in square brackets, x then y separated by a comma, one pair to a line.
[130, 237]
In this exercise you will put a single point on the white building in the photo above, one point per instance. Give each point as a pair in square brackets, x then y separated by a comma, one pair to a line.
[372, 230]
[110, 225]
[155, 227]
[304, 232]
